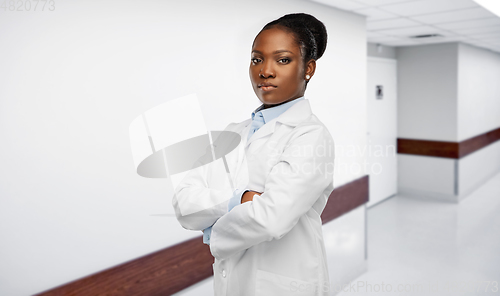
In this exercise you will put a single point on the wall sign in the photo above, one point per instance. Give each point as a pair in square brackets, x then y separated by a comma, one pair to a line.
[379, 92]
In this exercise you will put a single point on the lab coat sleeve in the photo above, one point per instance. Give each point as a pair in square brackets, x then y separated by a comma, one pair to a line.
[197, 206]
[292, 187]
[234, 201]
[197, 203]
[206, 235]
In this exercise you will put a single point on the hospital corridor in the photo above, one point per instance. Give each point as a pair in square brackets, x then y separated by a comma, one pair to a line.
[250, 147]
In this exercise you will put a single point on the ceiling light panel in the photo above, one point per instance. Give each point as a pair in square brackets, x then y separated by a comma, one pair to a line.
[491, 5]
[428, 6]
[454, 16]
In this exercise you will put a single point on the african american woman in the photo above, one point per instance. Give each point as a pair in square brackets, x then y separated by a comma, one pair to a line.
[266, 235]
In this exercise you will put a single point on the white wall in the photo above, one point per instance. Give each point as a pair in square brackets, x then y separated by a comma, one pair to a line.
[427, 91]
[478, 112]
[478, 91]
[478, 167]
[447, 92]
[72, 81]
[427, 177]
[427, 110]
[388, 52]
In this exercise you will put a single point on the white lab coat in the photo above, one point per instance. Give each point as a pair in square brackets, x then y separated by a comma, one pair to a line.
[273, 245]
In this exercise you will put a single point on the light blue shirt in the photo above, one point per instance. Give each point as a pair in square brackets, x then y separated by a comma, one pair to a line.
[268, 115]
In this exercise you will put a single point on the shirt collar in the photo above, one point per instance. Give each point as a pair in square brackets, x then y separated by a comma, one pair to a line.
[273, 112]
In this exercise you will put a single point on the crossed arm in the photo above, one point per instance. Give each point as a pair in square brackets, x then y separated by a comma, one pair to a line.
[245, 197]
[197, 204]
[292, 187]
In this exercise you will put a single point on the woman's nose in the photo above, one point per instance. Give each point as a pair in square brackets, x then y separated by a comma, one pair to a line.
[267, 70]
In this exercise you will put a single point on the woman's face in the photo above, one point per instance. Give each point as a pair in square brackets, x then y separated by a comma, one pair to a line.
[276, 61]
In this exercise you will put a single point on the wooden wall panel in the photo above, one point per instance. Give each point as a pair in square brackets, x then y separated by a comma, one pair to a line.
[163, 273]
[345, 198]
[473, 144]
[428, 148]
[453, 150]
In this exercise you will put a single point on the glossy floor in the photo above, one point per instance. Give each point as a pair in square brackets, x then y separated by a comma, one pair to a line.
[420, 247]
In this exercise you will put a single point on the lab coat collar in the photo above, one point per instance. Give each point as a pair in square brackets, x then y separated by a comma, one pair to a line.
[275, 111]
[292, 117]
[296, 114]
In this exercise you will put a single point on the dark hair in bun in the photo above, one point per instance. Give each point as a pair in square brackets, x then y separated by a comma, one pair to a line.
[310, 33]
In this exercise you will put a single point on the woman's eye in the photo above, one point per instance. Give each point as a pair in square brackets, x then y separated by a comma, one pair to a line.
[255, 60]
[287, 60]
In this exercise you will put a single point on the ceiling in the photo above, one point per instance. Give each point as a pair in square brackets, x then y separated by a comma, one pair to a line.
[392, 22]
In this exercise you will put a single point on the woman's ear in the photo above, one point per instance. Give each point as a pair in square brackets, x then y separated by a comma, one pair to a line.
[310, 68]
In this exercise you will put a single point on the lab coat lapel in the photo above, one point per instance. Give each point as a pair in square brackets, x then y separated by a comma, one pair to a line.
[293, 116]
[242, 146]
[262, 132]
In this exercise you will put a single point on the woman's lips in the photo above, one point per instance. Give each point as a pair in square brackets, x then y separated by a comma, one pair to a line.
[267, 88]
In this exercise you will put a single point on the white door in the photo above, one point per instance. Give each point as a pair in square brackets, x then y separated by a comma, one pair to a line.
[382, 128]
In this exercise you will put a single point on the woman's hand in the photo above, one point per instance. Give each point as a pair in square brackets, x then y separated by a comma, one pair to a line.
[248, 196]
